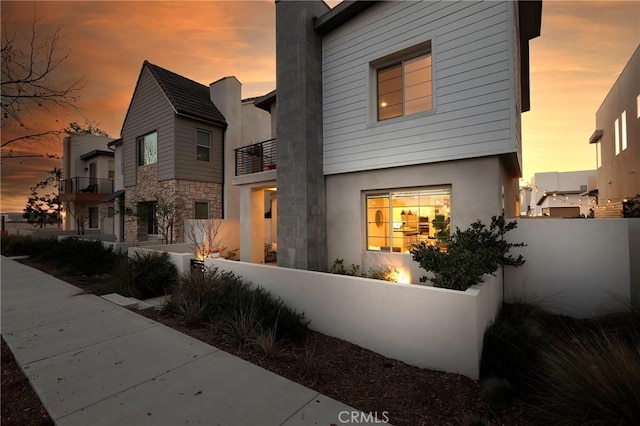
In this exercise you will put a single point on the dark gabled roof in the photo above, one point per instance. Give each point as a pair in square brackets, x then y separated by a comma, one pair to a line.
[189, 98]
[264, 102]
[340, 14]
[95, 153]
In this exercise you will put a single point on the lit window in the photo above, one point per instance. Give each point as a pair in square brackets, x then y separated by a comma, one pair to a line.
[203, 145]
[405, 87]
[623, 128]
[616, 132]
[147, 149]
[397, 220]
[201, 210]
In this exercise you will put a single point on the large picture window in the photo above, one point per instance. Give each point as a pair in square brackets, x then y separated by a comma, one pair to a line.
[398, 219]
[405, 87]
[203, 145]
[147, 146]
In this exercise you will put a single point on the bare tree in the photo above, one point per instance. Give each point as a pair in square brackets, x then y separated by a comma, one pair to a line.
[29, 67]
[169, 209]
[80, 214]
[203, 234]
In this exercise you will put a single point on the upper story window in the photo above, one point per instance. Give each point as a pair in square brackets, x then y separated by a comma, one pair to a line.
[147, 147]
[203, 145]
[404, 83]
[112, 170]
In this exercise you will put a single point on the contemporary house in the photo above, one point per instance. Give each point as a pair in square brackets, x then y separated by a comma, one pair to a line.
[88, 173]
[617, 139]
[559, 194]
[395, 122]
[177, 142]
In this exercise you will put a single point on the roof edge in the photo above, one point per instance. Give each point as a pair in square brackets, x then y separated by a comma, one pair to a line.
[340, 14]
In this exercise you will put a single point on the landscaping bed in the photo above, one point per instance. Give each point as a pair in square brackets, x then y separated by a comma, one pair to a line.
[20, 404]
[356, 376]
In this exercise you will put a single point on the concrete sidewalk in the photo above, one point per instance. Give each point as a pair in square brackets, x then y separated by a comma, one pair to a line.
[92, 362]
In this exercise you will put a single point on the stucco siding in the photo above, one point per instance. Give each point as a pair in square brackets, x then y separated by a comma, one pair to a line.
[473, 86]
[186, 165]
[149, 111]
[475, 195]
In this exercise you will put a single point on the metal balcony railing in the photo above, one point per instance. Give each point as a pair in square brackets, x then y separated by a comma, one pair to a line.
[85, 185]
[256, 158]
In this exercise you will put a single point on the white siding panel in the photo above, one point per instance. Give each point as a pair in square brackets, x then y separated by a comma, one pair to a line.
[470, 115]
[473, 102]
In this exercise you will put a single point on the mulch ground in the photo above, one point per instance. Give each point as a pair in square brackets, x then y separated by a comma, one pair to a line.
[372, 383]
[20, 404]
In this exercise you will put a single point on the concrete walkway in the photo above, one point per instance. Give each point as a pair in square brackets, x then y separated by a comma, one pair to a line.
[92, 362]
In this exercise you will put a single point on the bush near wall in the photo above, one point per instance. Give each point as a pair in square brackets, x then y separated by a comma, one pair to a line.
[144, 276]
[470, 254]
[68, 255]
[571, 371]
[16, 245]
[213, 296]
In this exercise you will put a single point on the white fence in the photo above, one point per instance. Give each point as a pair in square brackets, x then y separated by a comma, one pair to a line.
[420, 325]
[179, 254]
[576, 267]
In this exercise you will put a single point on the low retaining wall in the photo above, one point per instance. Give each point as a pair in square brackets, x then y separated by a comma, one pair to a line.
[420, 325]
[179, 254]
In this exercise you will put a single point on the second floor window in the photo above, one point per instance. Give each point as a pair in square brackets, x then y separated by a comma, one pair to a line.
[147, 147]
[405, 87]
[203, 145]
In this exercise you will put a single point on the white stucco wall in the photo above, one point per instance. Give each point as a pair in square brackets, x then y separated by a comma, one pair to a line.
[423, 326]
[577, 267]
[475, 195]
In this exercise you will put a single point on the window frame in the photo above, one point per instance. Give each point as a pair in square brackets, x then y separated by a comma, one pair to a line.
[414, 210]
[93, 221]
[195, 203]
[395, 59]
[209, 148]
[141, 160]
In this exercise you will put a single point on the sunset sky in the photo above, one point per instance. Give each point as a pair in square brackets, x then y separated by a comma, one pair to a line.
[583, 47]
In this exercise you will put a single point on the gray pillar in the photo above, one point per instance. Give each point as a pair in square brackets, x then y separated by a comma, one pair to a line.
[302, 236]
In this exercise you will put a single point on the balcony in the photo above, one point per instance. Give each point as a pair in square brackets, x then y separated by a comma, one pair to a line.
[84, 189]
[259, 157]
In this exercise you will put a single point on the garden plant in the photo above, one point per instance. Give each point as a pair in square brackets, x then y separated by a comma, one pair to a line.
[470, 254]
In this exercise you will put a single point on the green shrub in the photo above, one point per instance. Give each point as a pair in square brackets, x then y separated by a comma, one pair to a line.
[511, 348]
[470, 254]
[16, 245]
[385, 274]
[591, 378]
[150, 274]
[222, 297]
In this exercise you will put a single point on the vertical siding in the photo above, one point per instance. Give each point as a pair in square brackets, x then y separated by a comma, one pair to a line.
[474, 94]
[150, 110]
[186, 165]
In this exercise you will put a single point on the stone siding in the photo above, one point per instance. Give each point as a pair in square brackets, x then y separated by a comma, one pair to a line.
[150, 189]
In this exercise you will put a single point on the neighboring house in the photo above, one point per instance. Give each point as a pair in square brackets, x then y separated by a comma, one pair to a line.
[177, 137]
[390, 116]
[559, 194]
[88, 172]
[617, 139]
